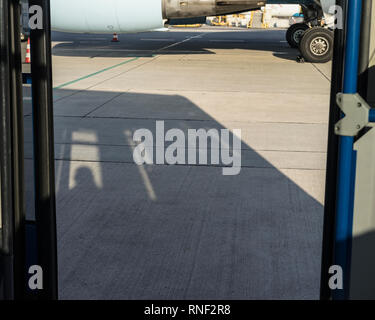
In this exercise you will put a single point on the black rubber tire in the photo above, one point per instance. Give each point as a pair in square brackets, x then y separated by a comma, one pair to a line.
[295, 33]
[317, 45]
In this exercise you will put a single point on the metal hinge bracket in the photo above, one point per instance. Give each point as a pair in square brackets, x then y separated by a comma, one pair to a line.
[356, 112]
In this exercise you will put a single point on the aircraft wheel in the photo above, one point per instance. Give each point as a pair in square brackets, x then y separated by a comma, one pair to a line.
[295, 33]
[316, 45]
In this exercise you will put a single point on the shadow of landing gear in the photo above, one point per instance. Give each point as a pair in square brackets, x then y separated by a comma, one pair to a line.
[151, 43]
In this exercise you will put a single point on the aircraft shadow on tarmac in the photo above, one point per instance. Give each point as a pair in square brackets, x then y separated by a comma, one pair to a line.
[171, 231]
[131, 45]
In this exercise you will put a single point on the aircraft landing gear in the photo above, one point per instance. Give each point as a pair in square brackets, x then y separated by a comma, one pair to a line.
[295, 33]
[316, 45]
[313, 16]
[312, 37]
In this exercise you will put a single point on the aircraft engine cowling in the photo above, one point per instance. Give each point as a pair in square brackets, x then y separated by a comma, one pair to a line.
[173, 9]
[106, 16]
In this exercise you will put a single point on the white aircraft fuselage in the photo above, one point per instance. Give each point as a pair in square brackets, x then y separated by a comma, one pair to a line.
[122, 16]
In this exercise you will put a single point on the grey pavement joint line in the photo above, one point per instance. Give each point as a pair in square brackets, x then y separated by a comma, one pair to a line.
[95, 73]
[115, 66]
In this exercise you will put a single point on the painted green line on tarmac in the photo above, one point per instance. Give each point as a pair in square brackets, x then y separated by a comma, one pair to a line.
[94, 74]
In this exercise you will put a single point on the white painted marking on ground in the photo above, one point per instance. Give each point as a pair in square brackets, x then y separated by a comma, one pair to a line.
[227, 40]
[177, 43]
[197, 37]
[157, 39]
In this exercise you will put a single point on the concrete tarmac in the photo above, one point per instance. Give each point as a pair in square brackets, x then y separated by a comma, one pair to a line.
[183, 231]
